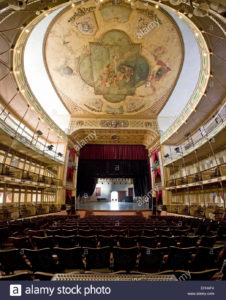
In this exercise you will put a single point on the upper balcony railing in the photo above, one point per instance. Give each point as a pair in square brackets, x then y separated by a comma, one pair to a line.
[199, 177]
[24, 175]
[23, 134]
[205, 132]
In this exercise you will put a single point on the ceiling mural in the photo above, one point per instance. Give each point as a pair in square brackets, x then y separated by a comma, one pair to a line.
[113, 59]
[115, 67]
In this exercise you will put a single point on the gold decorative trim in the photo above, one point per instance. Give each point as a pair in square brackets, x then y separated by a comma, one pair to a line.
[140, 110]
[27, 93]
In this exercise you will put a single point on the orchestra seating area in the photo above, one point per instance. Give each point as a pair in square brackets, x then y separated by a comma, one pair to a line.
[37, 248]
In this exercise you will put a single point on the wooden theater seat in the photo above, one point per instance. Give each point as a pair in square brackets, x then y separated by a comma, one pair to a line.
[182, 180]
[209, 174]
[16, 173]
[171, 183]
[47, 180]
[223, 170]
[34, 177]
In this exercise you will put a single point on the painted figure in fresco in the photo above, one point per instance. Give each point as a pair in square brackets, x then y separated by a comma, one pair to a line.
[142, 23]
[85, 26]
[157, 73]
[116, 66]
[112, 76]
[126, 72]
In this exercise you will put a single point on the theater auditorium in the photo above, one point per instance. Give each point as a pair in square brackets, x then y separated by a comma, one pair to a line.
[112, 140]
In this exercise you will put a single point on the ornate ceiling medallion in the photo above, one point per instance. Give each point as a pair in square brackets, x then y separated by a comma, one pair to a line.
[114, 67]
[114, 58]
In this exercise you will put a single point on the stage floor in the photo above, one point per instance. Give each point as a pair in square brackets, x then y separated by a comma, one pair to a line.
[109, 206]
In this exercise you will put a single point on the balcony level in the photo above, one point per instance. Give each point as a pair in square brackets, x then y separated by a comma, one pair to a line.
[208, 139]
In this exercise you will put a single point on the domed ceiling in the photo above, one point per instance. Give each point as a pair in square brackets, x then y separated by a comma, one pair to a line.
[113, 59]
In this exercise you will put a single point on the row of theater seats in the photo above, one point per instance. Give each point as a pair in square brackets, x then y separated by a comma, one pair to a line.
[152, 232]
[68, 241]
[143, 259]
[204, 225]
[147, 229]
[159, 244]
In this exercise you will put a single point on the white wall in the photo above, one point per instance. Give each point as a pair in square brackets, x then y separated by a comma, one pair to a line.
[188, 77]
[106, 189]
[38, 77]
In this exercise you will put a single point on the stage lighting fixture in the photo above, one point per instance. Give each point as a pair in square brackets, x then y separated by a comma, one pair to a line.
[177, 149]
[39, 132]
[50, 147]
[212, 140]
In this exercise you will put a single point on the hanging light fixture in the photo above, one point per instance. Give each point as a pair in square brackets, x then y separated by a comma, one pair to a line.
[50, 147]
[39, 132]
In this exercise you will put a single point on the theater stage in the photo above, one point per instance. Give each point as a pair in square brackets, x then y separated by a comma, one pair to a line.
[112, 206]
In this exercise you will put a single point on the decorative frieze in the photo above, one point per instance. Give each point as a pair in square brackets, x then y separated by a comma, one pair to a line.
[77, 124]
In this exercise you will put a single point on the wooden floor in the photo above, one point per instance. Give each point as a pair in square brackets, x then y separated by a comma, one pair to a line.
[105, 208]
[112, 206]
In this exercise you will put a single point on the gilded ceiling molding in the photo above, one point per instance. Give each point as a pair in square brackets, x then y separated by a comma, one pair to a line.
[28, 95]
[130, 78]
[154, 146]
[82, 137]
[149, 124]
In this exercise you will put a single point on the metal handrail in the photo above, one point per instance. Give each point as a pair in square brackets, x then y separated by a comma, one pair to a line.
[25, 136]
[41, 178]
[199, 135]
[216, 175]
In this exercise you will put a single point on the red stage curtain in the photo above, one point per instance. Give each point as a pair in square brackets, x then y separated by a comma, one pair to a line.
[68, 194]
[157, 172]
[149, 172]
[71, 158]
[70, 174]
[158, 194]
[90, 170]
[116, 152]
[155, 155]
[128, 152]
[72, 154]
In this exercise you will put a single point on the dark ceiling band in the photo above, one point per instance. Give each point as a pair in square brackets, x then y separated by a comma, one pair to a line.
[129, 152]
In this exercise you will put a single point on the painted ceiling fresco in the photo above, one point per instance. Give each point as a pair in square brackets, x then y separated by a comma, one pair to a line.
[113, 58]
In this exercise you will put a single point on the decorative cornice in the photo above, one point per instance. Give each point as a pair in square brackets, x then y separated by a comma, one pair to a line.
[147, 124]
